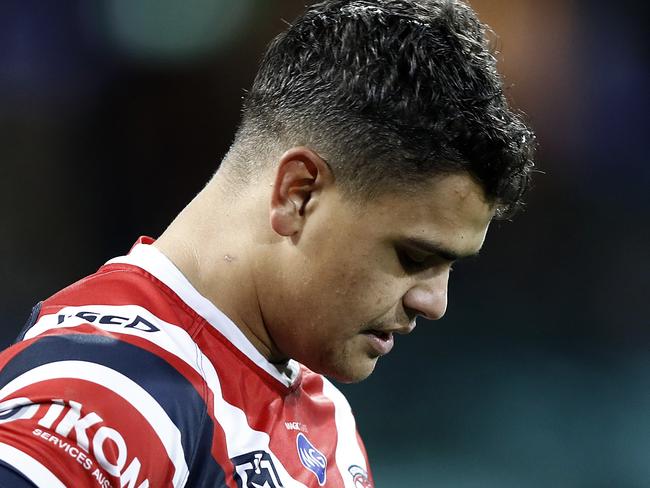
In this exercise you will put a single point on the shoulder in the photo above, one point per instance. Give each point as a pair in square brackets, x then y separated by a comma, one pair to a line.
[115, 350]
[116, 329]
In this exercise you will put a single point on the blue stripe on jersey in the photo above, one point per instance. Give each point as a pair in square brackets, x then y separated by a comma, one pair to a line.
[10, 478]
[175, 394]
[36, 310]
[201, 475]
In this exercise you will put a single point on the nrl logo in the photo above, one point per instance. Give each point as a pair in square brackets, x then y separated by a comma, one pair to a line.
[255, 470]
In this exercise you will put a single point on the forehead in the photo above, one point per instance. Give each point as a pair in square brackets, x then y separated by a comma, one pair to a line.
[451, 210]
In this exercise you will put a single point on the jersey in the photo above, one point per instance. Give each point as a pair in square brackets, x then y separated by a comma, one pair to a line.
[131, 378]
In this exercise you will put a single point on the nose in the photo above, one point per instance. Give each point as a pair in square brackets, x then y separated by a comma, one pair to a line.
[428, 298]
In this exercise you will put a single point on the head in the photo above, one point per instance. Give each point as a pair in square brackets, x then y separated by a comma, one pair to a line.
[391, 147]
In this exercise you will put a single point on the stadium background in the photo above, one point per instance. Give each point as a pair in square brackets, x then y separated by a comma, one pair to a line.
[113, 115]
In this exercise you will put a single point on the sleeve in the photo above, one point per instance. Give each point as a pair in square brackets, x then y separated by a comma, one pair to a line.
[87, 410]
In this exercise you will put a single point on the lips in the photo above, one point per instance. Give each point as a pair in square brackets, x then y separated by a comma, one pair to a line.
[384, 332]
[382, 340]
[379, 341]
[379, 333]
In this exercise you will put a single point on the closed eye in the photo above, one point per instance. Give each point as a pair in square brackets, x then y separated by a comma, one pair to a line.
[414, 261]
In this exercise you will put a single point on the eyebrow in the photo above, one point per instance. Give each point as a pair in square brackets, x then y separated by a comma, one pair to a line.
[437, 249]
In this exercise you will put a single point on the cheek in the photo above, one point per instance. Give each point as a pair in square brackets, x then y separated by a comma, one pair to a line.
[340, 289]
[357, 293]
[345, 280]
[329, 300]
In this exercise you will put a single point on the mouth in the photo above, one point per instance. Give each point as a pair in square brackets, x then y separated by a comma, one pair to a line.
[384, 336]
[381, 342]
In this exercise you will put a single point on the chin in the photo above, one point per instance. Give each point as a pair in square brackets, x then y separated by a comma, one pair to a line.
[343, 364]
[349, 372]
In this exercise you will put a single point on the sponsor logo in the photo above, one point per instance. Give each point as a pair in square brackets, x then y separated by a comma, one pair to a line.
[359, 477]
[296, 426]
[108, 445]
[311, 458]
[130, 322]
[16, 409]
[255, 470]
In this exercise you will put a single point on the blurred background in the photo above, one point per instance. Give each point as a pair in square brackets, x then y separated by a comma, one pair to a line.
[114, 114]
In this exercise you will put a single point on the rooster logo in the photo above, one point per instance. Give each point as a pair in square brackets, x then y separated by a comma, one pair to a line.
[360, 477]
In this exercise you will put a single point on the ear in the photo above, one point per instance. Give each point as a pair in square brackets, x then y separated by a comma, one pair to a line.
[300, 175]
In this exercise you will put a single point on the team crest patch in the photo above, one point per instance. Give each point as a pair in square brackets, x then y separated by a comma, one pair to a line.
[359, 477]
[255, 470]
[311, 458]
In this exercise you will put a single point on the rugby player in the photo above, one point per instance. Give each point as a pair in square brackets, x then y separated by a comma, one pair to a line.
[375, 148]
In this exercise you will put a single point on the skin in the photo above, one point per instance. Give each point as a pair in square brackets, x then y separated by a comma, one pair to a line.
[320, 278]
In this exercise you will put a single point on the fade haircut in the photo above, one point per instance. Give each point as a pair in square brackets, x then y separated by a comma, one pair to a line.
[390, 93]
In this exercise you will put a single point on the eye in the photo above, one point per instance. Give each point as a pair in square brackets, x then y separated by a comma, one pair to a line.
[414, 261]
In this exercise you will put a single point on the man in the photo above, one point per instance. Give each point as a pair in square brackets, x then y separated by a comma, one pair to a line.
[375, 148]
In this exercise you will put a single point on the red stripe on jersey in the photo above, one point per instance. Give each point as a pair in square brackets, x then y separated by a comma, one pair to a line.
[129, 285]
[64, 461]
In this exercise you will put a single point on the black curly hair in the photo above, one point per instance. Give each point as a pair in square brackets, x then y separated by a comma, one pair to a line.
[391, 93]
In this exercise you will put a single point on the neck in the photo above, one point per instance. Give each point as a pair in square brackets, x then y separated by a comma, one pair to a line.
[206, 243]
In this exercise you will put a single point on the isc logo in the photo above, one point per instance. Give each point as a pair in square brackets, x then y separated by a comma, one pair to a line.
[312, 458]
[136, 322]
